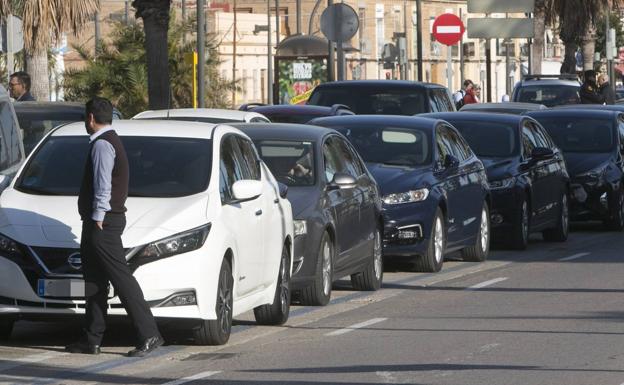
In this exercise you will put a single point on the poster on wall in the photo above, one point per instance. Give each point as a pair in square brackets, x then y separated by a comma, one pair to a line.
[297, 78]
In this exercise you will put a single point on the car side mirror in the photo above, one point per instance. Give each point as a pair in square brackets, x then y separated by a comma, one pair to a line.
[283, 190]
[450, 162]
[343, 181]
[541, 153]
[246, 189]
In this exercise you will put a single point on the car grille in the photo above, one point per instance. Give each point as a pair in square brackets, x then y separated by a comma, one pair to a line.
[56, 260]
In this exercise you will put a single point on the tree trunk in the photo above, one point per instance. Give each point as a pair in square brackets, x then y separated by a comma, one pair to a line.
[589, 48]
[37, 67]
[539, 29]
[155, 15]
[569, 60]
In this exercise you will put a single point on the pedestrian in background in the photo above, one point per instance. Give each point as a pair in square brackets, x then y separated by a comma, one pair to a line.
[477, 93]
[19, 87]
[605, 89]
[589, 92]
[101, 205]
[458, 97]
[471, 96]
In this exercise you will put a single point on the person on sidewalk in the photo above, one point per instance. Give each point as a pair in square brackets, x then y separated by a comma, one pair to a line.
[605, 89]
[589, 92]
[471, 96]
[19, 87]
[101, 205]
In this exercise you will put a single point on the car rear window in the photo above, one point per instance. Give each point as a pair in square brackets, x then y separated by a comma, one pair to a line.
[374, 100]
[549, 95]
[489, 139]
[576, 134]
[290, 161]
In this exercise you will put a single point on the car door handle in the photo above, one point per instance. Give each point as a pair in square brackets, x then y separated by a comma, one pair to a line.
[258, 212]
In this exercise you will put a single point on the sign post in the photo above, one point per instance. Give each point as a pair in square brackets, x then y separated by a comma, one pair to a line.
[448, 30]
[339, 23]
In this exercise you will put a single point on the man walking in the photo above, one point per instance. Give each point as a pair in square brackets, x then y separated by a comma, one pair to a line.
[101, 205]
[19, 87]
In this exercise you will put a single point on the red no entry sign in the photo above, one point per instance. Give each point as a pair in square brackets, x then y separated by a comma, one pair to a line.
[448, 29]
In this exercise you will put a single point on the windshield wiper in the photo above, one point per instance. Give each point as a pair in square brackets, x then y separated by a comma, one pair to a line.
[38, 191]
[399, 163]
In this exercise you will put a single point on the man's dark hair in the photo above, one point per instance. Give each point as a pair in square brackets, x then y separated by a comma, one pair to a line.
[467, 82]
[23, 78]
[101, 108]
[590, 74]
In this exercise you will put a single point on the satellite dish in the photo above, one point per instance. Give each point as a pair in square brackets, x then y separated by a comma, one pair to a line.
[339, 22]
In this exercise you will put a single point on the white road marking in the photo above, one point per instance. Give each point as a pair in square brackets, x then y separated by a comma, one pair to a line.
[449, 29]
[356, 326]
[573, 257]
[198, 376]
[33, 358]
[486, 283]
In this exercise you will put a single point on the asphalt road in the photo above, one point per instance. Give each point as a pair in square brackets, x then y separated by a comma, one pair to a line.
[551, 315]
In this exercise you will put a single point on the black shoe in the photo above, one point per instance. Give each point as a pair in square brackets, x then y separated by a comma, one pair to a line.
[148, 346]
[83, 348]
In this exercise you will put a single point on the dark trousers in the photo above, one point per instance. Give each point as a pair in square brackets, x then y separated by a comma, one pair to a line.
[103, 261]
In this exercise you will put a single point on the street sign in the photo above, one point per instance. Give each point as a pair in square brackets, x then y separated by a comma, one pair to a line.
[501, 6]
[490, 28]
[339, 22]
[448, 29]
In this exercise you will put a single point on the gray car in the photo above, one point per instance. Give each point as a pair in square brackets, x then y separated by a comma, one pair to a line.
[336, 206]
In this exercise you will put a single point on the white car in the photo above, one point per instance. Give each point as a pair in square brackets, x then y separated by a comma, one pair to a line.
[205, 115]
[209, 231]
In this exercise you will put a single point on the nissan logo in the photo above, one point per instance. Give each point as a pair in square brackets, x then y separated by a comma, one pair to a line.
[75, 261]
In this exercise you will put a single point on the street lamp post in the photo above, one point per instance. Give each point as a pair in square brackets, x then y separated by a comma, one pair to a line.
[201, 42]
[257, 30]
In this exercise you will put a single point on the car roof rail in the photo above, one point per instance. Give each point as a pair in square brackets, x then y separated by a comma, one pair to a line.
[250, 106]
[336, 107]
[551, 76]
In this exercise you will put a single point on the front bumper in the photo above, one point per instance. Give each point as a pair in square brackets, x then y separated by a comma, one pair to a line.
[505, 209]
[407, 228]
[589, 200]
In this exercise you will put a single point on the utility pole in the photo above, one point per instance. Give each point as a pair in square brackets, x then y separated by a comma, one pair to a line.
[488, 67]
[461, 55]
[269, 59]
[419, 39]
[406, 57]
[277, 23]
[298, 11]
[201, 60]
[330, 59]
[234, 33]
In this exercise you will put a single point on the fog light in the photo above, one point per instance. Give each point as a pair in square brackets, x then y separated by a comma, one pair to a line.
[183, 299]
[497, 219]
[580, 195]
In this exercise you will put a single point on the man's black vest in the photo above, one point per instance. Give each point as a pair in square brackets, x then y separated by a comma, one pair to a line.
[119, 180]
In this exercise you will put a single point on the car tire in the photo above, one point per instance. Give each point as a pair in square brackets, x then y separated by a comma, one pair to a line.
[6, 328]
[559, 233]
[480, 250]
[616, 210]
[277, 312]
[319, 292]
[217, 332]
[432, 261]
[519, 237]
[371, 278]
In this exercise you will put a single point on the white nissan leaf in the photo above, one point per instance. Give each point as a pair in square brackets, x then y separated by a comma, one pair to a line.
[208, 235]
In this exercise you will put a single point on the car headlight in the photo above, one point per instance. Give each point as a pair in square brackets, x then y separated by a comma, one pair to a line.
[406, 197]
[596, 173]
[301, 227]
[9, 248]
[501, 183]
[176, 244]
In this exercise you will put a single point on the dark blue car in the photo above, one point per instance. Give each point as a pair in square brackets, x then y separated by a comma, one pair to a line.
[528, 178]
[435, 190]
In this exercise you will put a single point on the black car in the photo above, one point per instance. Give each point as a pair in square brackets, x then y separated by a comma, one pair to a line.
[592, 142]
[384, 97]
[336, 207]
[296, 113]
[435, 191]
[549, 90]
[36, 119]
[516, 108]
[528, 179]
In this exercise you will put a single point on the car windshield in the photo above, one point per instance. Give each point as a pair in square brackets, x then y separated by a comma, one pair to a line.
[290, 161]
[159, 166]
[201, 119]
[373, 101]
[577, 134]
[291, 118]
[36, 124]
[397, 146]
[489, 139]
[549, 95]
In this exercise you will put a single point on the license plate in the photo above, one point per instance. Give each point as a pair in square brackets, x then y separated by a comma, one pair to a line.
[65, 288]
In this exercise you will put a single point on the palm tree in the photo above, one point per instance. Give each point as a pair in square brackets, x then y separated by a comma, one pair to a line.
[43, 23]
[155, 15]
[539, 29]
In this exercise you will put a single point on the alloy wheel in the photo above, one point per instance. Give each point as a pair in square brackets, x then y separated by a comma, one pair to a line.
[525, 222]
[485, 230]
[377, 255]
[284, 284]
[564, 213]
[326, 268]
[438, 240]
[224, 307]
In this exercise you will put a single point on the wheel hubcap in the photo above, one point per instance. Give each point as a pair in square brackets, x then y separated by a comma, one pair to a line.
[326, 268]
[525, 221]
[377, 255]
[438, 240]
[224, 306]
[284, 284]
[485, 230]
[564, 213]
